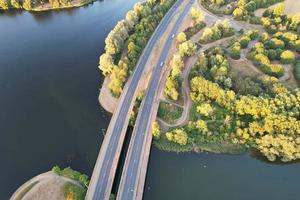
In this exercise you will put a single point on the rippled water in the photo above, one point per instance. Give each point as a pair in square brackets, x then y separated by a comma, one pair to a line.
[50, 115]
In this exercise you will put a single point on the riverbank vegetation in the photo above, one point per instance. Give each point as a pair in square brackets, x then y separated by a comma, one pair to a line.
[125, 43]
[34, 5]
[71, 190]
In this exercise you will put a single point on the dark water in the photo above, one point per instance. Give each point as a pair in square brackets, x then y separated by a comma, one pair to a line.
[49, 113]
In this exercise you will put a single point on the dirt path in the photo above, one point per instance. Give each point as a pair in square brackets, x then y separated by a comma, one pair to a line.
[185, 88]
[46, 186]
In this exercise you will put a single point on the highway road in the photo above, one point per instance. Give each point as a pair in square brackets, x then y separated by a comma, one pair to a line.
[106, 164]
[132, 167]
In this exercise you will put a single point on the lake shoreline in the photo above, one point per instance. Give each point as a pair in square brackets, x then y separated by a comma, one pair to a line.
[48, 6]
[48, 181]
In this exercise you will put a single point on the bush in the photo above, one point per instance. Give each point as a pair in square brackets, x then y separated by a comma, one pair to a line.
[255, 20]
[246, 86]
[72, 174]
[235, 51]
[272, 54]
[275, 43]
[244, 41]
[265, 65]
[287, 57]
[181, 37]
[189, 32]
[250, 6]
[73, 192]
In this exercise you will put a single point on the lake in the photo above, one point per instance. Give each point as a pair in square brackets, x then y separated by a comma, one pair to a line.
[49, 83]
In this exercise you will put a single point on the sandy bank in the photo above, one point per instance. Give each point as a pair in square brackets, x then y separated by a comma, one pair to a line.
[46, 186]
[74, 4]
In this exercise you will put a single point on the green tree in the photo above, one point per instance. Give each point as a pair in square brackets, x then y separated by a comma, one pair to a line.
[235, 51]
[15, 4]
[272, 54]
[156, 130]
[287, 57]
[250, 6]
[4, 4]
[197, 15]
[238, 13]
[244, 41]
[181, 37]
[27, 4]
[187, 48]
[279, 9]
[54, 3]
[106, 64]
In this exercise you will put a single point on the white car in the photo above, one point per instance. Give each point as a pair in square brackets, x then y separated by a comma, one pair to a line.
[173, 35]
[162, 63]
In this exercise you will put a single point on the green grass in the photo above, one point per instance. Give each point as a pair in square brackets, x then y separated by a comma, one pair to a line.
[77, 192]
[72, 174]
[165, 145]
[297, 70]
[169, 112]
[222, 147]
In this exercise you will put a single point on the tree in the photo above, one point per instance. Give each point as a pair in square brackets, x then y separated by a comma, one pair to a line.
[279, 9]
[54, 3]
[156, 130]
[238, 13]
[84, 180]
[64, 2]
[287, 57]
[181, 37]
[285, 147]
[205, 109]
[171, 88]
[178, 136]
[4, 4]
[187, 48]
[27, 4]
[235, 50]
[244, 41]
[207, 35]
[106, 64]
[15, 4]
[197, 15]
[272, 54]
[176, 65]
[250, 6]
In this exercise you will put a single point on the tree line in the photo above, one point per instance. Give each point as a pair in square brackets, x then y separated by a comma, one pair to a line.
[126, 41]
[30, 4]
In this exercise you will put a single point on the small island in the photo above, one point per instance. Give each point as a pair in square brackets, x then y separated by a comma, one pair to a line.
[44, 5]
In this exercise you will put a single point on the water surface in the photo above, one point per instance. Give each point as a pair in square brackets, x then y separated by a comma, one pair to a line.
[49, 113]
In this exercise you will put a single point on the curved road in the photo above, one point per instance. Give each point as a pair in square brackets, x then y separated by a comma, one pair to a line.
[106, 164]
[132, 168]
